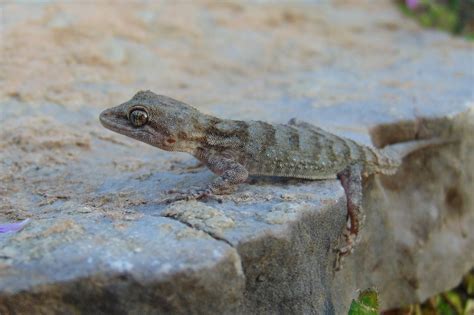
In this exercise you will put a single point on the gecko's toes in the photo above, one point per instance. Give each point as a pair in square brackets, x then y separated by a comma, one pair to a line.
[351, 240]
[177, 191]
[193, 194]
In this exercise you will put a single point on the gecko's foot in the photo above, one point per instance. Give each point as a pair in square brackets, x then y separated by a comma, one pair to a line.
[193, 194]
[351, 242]
[196, 166]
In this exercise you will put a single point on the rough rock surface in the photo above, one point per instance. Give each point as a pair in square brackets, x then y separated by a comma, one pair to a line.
[101, 241]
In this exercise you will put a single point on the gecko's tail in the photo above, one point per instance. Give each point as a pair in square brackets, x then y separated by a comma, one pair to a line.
[403, 149]
[391, 156]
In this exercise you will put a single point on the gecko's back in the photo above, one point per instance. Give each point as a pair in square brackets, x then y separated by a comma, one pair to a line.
[302, 150]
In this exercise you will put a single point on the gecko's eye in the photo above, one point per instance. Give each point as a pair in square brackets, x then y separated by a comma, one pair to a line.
[138, 117]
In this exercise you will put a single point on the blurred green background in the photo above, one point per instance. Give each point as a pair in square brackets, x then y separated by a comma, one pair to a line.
[455, 16]
[459, 301]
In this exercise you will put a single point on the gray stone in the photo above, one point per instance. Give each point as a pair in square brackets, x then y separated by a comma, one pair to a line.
[419, 239]
[101, 240]
[88, 264]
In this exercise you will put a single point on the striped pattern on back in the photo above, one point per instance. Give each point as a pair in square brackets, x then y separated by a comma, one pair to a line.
[302, 151]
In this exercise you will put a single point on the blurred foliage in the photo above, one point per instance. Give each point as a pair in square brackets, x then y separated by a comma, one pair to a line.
[366, 304]
[459, 301]
[455, 16]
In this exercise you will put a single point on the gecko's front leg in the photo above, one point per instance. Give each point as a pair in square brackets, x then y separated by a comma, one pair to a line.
[231, 174]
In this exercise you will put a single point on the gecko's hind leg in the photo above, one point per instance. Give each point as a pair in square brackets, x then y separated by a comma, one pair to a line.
[351, 180]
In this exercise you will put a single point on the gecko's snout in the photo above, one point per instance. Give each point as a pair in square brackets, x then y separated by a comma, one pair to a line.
[110, 118]
[104, 117]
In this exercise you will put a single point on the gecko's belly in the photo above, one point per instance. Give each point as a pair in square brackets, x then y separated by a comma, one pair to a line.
[313, 172]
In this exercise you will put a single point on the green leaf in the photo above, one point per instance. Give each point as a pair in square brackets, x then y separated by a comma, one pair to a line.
[366, 304]
[454, 300]
[443, 307]
[469, 279]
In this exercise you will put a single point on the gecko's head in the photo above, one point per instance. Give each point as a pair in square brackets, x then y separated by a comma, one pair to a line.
[155, 119]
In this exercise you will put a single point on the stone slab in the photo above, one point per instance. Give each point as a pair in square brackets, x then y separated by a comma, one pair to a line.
[91, 193]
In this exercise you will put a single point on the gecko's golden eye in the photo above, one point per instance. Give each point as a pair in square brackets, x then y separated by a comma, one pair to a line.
[138, 117]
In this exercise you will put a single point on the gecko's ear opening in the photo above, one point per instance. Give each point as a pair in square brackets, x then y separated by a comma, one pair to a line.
[170, 141]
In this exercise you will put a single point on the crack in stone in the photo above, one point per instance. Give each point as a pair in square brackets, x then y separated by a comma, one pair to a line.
[213, 235]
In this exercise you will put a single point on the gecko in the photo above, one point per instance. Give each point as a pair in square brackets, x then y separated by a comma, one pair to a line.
[235, 149]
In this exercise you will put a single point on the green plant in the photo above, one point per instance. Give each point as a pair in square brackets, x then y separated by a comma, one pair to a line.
[455, 16]
[366, 304]
[458, 301]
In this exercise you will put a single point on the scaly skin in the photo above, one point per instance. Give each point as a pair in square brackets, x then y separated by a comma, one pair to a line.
[235, 149]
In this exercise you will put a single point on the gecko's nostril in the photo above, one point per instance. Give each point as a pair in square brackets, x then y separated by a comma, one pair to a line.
[110, 113]
[106, 116]
[103, 115]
